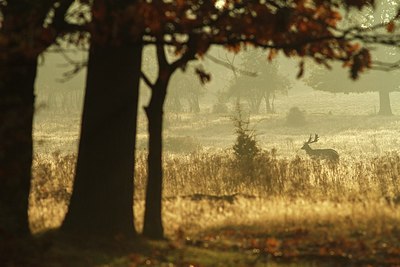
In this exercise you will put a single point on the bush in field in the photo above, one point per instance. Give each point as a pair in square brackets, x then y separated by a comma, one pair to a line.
[295, 117]
[246, 147]
[219, 108]
[179, 144]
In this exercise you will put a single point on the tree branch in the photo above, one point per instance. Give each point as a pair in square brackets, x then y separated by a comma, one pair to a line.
[161, 57]
[385, 66]
[147, 80]
[230, 66]
[59, 14]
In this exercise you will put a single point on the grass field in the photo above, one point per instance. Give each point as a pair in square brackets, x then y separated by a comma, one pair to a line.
[282, 207]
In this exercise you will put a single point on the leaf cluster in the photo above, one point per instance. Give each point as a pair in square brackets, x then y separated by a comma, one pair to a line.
[297, 28]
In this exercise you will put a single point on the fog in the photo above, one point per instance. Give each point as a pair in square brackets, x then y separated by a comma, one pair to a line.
[324, 96]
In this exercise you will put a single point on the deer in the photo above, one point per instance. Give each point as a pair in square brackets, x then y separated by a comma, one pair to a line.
[326, 153]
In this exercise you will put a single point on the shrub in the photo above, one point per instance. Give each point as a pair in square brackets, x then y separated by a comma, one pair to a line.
[295, 117]
[181, 144]
[219, 108]
[246, 147]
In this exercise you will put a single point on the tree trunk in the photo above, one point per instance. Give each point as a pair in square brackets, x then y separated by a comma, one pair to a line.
[153, 227]
[194, 104]
[17, 77]
[102, 199]
[268, 106]
[384, 103]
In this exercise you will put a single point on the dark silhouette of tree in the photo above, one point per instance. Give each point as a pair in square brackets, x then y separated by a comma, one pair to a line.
[153, 227]
[26, 30]
[102, 198]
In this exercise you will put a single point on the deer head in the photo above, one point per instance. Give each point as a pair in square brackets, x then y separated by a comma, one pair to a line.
[310, 141]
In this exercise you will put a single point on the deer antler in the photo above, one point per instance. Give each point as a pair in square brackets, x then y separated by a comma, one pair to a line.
[310, 141]
[315, 138]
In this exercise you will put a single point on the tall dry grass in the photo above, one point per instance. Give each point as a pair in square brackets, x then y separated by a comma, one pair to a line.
[208, 189]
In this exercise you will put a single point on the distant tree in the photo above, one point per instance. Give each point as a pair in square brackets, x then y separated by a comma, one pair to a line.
[264, 86]
[184, 86]
[372, 81]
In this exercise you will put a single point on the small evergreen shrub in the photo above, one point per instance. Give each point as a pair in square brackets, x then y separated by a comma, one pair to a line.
[246, 147]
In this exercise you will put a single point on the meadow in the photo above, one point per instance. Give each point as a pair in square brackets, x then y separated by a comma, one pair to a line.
[280, 207]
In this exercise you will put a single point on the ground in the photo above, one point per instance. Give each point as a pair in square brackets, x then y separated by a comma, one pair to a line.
[280, 209]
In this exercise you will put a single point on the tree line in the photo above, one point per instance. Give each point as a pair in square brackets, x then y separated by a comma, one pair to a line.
[116, 32]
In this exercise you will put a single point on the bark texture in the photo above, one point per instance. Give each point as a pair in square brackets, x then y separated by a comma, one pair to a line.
[102, 199]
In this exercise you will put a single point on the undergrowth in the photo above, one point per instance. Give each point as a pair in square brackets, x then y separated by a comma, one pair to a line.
[207, 175]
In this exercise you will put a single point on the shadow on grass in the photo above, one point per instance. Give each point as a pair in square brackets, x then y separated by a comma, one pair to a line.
[56, 249]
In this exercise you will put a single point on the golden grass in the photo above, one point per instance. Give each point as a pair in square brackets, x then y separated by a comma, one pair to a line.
[205, 190]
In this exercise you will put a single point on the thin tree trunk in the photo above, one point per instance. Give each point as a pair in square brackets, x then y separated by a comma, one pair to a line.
[267, 102]
[102, 199]
[17, 77]
[384, 103]
[153, 227]
[194, 104]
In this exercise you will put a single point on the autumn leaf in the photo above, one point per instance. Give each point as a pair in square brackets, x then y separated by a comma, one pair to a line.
[301, 70]
[390, 27]
[272, 245]
[272, 54]
[361, 61]
[203, 76]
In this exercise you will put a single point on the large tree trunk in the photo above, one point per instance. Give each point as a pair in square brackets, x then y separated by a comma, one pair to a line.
[384, 103]
[102, 199]
[153, 227]
[17, 77]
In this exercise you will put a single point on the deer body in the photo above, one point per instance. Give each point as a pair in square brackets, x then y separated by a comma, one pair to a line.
[326, 153]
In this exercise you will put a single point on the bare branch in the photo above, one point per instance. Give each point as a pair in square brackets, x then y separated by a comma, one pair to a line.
[385, 66]
[146, 80]
[77, 66]
[231, 66]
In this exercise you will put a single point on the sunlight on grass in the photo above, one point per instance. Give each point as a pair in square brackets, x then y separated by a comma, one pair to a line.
[281, 204]
[204, 190]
